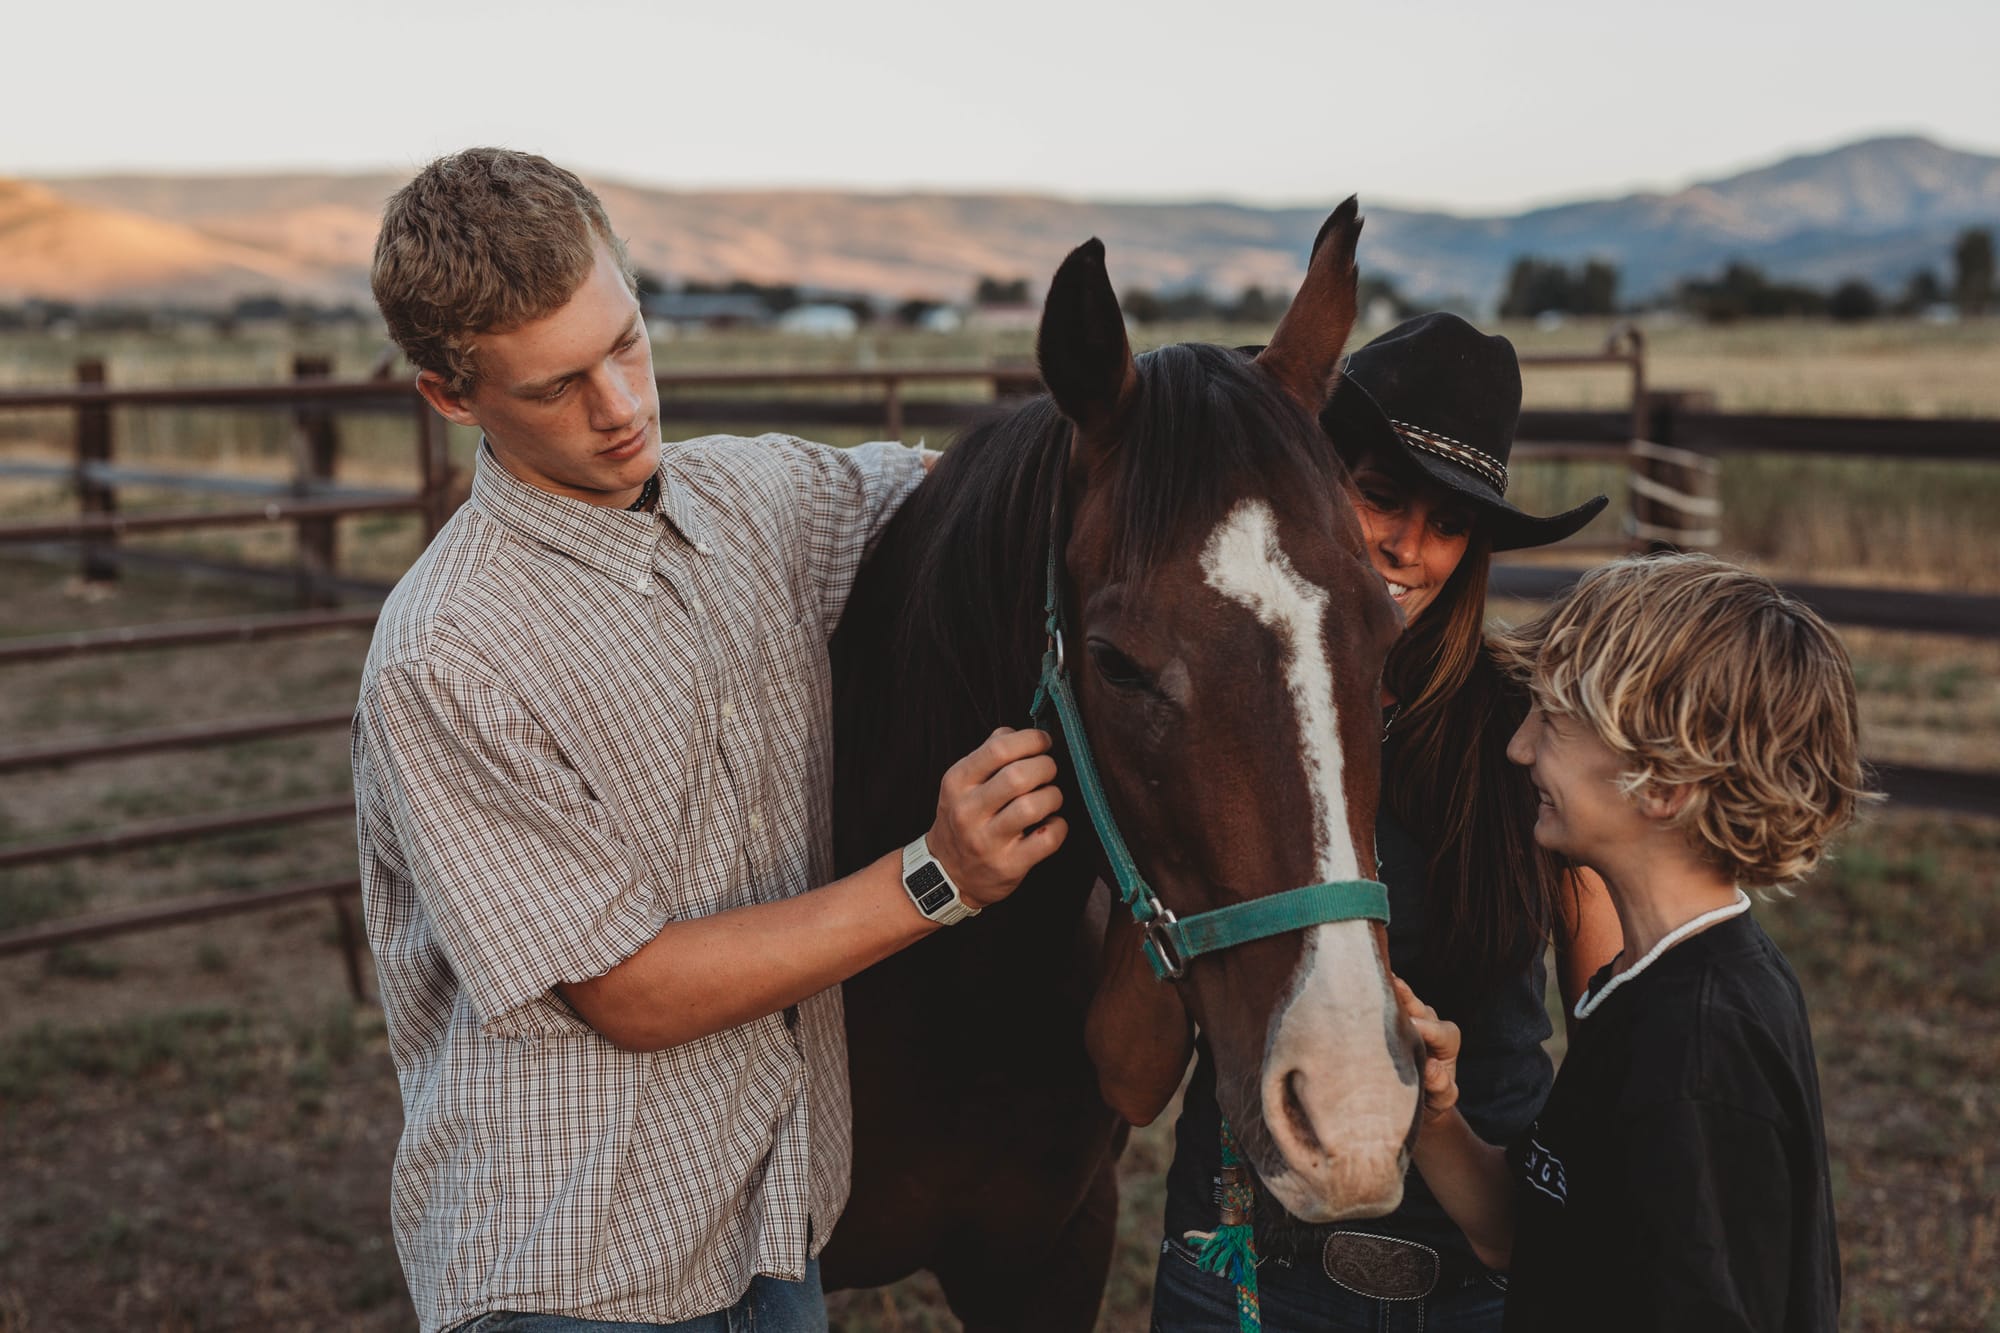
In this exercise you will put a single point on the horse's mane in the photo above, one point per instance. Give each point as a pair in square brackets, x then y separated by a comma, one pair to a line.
[950, 605]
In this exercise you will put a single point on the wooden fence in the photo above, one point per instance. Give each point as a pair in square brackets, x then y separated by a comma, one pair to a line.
[1672, 444]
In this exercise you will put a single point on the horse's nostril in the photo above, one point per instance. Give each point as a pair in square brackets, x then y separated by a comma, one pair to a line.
[1295, 1112]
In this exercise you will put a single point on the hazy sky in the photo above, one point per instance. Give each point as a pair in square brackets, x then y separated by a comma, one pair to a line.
[1469, 104]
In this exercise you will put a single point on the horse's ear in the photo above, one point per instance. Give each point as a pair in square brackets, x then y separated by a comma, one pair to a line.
[1084, 357]
[1304, 354]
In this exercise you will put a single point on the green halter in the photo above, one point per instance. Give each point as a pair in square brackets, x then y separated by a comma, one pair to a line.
[1171, 942]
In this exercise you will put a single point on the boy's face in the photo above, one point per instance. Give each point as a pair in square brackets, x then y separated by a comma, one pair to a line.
[1583, 813]
[568, 401]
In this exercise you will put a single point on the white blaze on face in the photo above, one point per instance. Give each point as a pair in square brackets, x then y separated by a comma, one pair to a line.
[1329, 1054]
[1244, 563]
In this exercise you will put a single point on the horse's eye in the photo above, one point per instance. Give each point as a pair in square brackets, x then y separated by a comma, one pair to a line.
[1118, 670]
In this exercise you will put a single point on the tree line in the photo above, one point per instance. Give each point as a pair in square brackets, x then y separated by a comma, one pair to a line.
[1537, 287]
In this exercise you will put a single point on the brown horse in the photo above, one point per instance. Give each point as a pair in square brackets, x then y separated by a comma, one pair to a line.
[1227, 637]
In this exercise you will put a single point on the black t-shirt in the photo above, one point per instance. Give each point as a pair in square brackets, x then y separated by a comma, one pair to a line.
[1503, 1077]
[1677, 1177]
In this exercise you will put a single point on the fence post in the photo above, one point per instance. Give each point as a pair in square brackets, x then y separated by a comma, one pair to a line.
[350, 946]
[892, 408]
[315, 450]
[434, 470]
[94, 491]
[1635, 355]
[1676, 494]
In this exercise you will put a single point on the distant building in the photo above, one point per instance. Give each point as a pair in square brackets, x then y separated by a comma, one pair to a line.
[941, 319]
[1381, 313]
[704, 310]
[820, 321]
[1004, 317]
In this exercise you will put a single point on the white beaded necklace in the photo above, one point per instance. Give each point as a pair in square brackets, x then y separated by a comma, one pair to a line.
[1586, 1004]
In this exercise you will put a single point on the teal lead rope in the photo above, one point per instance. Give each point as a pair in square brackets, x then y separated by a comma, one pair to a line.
[1231, 1249]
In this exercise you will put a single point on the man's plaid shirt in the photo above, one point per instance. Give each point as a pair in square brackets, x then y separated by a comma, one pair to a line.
[577, 724]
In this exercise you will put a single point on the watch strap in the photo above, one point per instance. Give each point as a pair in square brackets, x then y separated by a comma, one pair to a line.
[930, 888]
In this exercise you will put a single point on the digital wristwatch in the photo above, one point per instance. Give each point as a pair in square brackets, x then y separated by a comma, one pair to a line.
[930, 889]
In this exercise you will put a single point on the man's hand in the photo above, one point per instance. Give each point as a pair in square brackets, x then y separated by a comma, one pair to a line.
[996, 815]
[1441, 1040]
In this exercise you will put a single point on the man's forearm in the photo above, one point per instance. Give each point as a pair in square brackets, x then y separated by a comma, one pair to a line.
[700, 976]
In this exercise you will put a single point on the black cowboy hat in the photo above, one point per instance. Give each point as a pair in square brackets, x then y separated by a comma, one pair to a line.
[1438, 396]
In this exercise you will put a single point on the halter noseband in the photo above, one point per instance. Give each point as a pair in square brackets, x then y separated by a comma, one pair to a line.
[1172, 942]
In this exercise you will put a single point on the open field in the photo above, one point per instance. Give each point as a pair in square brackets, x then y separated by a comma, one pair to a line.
[196, 1125]
[1858, 521]
[1883, 368]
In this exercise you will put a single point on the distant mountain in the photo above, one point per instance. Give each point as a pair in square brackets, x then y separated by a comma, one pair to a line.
[1877, 209]
[52, 245]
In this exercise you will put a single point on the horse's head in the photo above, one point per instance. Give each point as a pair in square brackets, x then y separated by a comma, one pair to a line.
[1227, 642]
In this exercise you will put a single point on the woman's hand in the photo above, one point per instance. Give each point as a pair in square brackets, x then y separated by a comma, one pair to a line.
[1468, 1175]
[1441, 1042]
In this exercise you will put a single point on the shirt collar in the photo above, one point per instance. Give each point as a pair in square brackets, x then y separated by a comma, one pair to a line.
[616, 542]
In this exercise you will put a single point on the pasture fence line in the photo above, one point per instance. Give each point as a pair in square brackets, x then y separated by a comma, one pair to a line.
[313, 500]
[1672, 444]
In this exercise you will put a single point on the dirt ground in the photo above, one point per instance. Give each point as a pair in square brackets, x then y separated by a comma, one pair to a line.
[197, 1125]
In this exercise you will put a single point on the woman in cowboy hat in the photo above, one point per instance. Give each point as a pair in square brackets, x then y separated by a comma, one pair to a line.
[1424, 417]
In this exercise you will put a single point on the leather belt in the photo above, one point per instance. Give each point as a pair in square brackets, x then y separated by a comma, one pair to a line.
[1381, 1268]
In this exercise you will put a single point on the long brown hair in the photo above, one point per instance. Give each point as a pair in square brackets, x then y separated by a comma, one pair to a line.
[1491, 895]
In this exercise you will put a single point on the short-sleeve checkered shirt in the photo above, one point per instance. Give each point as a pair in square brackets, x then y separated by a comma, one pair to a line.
[577, 724]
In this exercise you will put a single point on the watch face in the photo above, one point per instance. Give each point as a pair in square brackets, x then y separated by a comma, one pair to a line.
[928, 888]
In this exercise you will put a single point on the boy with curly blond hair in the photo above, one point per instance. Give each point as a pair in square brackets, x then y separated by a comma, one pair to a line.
[1694, 730]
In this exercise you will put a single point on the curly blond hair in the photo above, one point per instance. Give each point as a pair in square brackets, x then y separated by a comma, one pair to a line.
[1705, 677]
[483, 241]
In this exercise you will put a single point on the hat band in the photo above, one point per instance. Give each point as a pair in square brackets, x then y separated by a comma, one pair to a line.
[1485, 464]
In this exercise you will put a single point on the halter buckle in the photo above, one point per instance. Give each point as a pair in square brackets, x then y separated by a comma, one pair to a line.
[1061, 662]
[1166, 961]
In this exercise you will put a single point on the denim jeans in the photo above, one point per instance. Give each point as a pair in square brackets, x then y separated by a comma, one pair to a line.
[770, 1306]
[1188, 1300]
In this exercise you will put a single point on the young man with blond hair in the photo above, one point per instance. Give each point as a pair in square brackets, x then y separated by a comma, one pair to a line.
[1694, 730]
[592, 760]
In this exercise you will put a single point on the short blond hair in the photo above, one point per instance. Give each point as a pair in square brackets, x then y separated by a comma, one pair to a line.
[1703, 676]
[483, 241]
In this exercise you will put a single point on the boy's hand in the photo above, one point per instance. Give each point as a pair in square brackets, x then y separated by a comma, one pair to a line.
[1441, 1040]
[996, 815]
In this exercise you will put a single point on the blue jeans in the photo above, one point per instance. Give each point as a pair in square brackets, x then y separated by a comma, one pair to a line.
[1188, 1300]
[770, 1306]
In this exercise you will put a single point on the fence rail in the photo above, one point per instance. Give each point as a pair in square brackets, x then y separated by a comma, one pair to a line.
[167, 738]
[1970, 615]
[1669, 441]
[161, 831]
[232, 629]
[339, 891]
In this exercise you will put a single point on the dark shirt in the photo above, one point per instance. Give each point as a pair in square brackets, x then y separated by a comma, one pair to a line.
[1677, 1178]
[1503, 1077]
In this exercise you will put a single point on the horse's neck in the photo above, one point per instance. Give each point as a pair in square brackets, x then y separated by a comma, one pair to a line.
[914, 693]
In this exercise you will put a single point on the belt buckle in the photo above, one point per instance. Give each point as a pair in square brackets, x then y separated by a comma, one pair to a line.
[1381, 1268]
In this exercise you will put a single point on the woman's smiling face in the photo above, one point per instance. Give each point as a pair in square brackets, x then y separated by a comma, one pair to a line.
[1416, 533]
